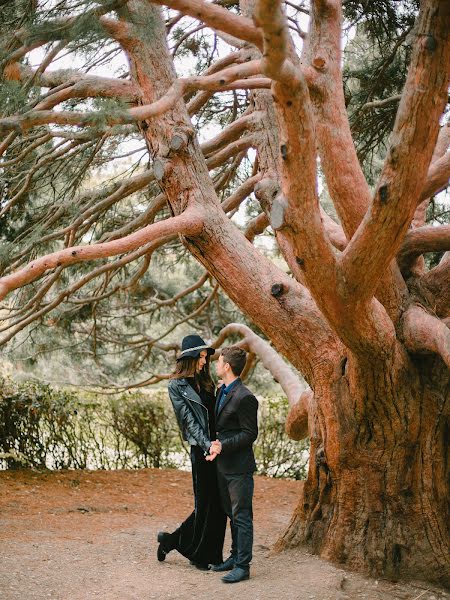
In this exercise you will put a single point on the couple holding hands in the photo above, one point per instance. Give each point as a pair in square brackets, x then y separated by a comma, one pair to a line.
[221, 430]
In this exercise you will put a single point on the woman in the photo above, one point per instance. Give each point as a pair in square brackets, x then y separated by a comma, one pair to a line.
[200, 537]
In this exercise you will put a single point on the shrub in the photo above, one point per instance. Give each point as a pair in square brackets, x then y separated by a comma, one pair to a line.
[43, 427]
[149, 426]
[276, 454]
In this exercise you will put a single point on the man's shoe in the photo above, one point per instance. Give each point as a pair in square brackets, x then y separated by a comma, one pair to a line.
[236, 575]
[163, 548]
[227, 565]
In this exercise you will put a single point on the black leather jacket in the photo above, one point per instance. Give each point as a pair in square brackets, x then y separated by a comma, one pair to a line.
[191, 415]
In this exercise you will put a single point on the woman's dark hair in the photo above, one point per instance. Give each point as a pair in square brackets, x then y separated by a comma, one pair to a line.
[187, 367]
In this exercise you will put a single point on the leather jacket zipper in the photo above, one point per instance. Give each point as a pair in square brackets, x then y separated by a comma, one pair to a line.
[186, 395]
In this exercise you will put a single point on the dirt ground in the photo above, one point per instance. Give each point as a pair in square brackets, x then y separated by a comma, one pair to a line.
[79, 535]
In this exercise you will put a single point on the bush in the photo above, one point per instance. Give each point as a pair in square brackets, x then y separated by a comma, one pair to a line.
[149, 427]
[34, 422]
[43, 427]
[276, 454]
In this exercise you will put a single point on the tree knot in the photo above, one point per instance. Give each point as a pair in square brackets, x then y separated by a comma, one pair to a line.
[278, 213]
[430, 43]
[319, 62]
[161, 168]
[277, 290]
[383, 193]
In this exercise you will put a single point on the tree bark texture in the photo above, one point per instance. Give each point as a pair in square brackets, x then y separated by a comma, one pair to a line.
[377, 489]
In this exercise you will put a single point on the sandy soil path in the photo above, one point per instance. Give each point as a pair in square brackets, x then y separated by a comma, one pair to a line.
[91, 535]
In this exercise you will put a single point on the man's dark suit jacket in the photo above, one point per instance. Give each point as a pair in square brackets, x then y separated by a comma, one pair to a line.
[237, 429]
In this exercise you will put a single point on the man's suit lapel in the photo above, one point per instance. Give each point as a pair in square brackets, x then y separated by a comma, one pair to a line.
[217, 402]
[228, 397]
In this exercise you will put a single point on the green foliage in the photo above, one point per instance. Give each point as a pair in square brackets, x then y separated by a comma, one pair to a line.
[276, 454]
[44, 427]
[375, 68]
[29, 414]
[105, 107]
[147, 425]
[15, 13]
[12, 97]
[382, 18]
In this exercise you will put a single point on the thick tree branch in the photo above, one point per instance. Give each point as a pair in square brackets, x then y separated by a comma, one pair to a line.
[297, 425]
[256, 226]
[295, 214]
[334, 231]
[437, 178]
[223, 80]
[238, 196]
[443, 143]
[79, 85]
[188, 223]
[346, 183]
[230, 133]
[345, 179]
[217, 18]
[221, 247]
[436, 286]
[420, 240]
[240, 145]
[380, 103]
[283, 374]
[379, 236]
[424, 333]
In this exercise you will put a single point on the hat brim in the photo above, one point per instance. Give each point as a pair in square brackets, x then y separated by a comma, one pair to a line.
[195, 353]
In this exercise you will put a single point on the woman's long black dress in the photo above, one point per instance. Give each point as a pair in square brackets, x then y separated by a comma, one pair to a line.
[200, 537]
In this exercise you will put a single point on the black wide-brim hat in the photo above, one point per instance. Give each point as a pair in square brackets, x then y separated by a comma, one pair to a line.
[192, 345]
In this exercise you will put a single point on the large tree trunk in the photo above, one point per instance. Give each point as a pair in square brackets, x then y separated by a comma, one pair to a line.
[377, 488]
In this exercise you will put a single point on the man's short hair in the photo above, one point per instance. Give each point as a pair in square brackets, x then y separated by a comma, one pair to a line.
[235, 357]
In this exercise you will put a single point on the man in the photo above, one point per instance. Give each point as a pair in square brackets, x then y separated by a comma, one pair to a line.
[237, 429]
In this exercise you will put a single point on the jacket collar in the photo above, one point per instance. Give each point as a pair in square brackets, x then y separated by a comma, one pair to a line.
[188, 390]
[229, 395]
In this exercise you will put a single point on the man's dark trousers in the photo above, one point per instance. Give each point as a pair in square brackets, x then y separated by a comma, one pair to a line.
[236, 493]
[237, 429]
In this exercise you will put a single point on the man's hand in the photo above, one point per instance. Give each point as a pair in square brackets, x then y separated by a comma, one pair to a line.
[211, 456]
[216, 447]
